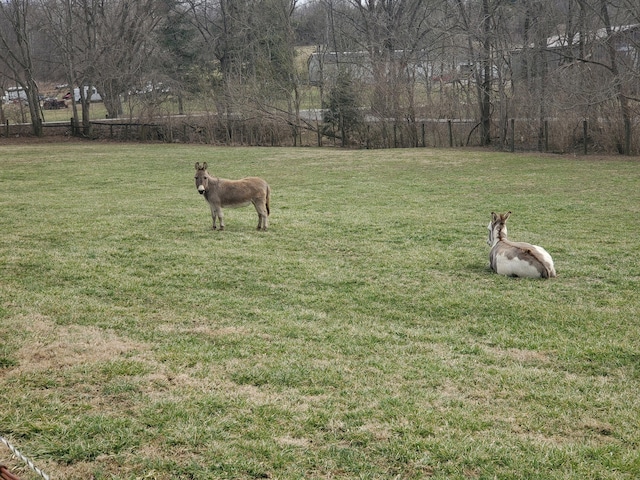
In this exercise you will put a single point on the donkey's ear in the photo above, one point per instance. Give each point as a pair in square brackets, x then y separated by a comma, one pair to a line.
[507, 215]
[204, 165]
[494, 217]
[197, 165]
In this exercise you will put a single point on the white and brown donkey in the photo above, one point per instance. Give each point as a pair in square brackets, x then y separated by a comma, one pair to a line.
[221, 192]
[516, 259]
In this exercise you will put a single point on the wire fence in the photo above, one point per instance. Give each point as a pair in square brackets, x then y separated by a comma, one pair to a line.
[557, 135]
[23, 458]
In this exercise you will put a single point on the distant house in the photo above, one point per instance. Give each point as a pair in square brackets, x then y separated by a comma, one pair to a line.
[323, 67]
[567, 48]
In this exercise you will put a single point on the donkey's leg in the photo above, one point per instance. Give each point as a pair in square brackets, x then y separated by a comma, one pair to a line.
[263, 218]
[220, 217]
[213, 215]
[265, 215]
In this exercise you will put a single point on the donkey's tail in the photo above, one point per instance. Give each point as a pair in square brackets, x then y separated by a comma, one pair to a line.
[268, 200]
[547, 269]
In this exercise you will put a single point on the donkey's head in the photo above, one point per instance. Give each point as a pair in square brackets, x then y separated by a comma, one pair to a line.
[497, 227]
[202, 178]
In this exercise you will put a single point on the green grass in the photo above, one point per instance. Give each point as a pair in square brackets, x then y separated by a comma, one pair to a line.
[362, 336]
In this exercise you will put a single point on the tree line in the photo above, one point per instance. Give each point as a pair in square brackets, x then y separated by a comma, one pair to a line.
[395, 62]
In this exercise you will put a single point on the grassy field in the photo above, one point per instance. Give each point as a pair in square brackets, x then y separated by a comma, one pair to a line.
[362, 336]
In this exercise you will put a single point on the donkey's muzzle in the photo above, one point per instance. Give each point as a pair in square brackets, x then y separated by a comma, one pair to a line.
[200, 189]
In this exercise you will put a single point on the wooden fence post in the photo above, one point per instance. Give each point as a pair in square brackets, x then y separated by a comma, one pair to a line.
[424, 142]
[627, 136]
[513, 135]
[546, 135]
[585, 131]
[450, 133]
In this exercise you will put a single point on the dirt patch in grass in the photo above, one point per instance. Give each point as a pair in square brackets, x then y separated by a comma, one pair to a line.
[288, 441]
[54, 347]
[204, 330]
[521, 356]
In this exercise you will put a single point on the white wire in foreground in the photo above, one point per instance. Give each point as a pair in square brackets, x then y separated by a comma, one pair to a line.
[26, 460]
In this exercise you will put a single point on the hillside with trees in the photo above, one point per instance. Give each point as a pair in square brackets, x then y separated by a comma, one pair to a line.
[373, 73]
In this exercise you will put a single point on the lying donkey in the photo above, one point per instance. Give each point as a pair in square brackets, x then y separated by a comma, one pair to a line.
[516, 259]
[220, 192]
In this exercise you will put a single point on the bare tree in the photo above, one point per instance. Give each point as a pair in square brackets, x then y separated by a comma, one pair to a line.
[537, 22]
[594, 69]
[249, 50]
[179, 53]
[62, 27]
[15, 54]
[125, 44]
[618, 76]
[106, 45]
[396, 36]
[476, 25]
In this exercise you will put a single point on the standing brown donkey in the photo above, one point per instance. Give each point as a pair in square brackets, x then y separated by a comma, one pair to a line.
[221, 192]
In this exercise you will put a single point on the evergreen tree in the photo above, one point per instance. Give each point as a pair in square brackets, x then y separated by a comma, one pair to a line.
[343, 116]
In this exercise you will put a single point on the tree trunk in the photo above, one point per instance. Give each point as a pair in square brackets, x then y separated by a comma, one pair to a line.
[16, 55]
[485, 101]
[625, 111]
[31, 89]
[482, 72]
